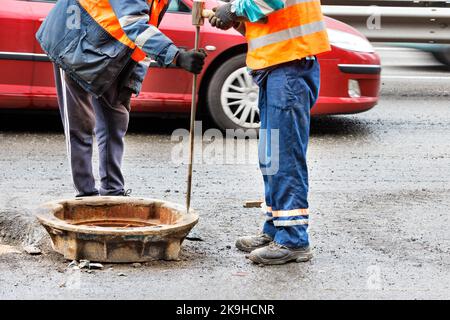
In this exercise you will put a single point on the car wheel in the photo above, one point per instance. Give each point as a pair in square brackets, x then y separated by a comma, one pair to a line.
[443, 56]
[232, 96]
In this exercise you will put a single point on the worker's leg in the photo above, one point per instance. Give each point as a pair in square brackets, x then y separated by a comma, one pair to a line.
[78, 119]
[264, 158]
[112, 115]
[250, 243]
[292, 90]
[269, 227]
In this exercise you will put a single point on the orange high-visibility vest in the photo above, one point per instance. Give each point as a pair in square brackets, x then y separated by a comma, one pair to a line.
[102, 12]
[158, 7]
[294, 32]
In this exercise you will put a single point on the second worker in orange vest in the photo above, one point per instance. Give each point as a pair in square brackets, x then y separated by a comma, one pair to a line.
[284, 36]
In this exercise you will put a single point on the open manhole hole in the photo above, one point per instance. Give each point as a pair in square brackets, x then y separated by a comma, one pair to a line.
[115, 223]
[116, 229]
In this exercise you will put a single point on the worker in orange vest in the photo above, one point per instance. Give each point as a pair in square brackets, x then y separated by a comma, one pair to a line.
[282, 60]
[101, 50]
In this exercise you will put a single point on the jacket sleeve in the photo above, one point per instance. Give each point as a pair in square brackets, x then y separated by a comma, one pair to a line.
[255, 10]
[133, 16]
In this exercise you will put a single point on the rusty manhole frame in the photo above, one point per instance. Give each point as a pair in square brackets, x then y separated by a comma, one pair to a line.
[116, 244]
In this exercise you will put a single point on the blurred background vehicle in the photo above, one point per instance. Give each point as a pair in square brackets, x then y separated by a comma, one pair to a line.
[423, 25]
[350, 72]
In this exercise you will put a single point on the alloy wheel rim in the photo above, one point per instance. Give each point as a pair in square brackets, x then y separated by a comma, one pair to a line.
[239, 99]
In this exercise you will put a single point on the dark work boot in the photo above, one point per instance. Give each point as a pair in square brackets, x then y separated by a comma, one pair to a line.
[124, 193]
[250, 243]
[90, 194]
[278, 254]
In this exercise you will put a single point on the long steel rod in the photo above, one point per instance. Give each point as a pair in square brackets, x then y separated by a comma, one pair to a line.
[192, 127]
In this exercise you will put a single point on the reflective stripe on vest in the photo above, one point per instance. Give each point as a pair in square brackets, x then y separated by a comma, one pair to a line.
[292, 33]
[158, 8]
[102, 12]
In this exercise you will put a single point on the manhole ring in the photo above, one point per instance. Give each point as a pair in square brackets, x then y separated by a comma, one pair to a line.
[116, 229]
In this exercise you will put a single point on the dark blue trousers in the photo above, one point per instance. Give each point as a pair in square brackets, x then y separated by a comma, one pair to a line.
[287, 94]
[84, 117]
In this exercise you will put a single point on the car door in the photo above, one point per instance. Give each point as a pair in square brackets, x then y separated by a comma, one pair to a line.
[164, 89]
[169, 89]
[43, 91]
[16, 53]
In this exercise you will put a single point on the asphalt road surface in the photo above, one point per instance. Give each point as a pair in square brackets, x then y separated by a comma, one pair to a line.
[380, 203]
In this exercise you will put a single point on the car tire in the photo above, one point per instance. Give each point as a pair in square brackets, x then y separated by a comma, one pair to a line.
[443, 56]
[232, 96]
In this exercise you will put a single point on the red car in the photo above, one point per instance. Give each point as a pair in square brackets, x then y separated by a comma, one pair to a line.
[350, 72]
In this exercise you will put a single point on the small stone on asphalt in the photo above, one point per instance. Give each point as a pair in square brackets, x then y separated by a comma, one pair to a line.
[32, 250]
[95, 266]
[83, 264]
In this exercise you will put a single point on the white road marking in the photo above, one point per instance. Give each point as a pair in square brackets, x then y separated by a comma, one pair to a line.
[416, 78]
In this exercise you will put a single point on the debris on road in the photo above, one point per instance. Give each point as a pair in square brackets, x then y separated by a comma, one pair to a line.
[194, 237]
[253, 204]
[32, 250]
[95, 266]
[121, 274]
[137, 265]
[4, 249]
[84, 264]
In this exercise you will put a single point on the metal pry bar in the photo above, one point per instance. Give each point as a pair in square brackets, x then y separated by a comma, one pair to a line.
[197, 21]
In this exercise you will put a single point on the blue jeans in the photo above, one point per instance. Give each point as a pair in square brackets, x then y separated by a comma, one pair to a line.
[287, 94]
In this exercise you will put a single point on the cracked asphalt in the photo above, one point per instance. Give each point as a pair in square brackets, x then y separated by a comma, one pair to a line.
[380, 204]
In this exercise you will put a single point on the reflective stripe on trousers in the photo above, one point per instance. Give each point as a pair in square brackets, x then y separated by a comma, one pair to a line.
[286, 97]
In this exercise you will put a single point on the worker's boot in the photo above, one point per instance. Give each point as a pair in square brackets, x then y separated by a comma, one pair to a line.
[250, 243]
[278, 254]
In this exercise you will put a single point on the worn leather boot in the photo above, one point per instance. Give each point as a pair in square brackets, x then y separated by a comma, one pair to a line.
[278, 254]
[250, 243]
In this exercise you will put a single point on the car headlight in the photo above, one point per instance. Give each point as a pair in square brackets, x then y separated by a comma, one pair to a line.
[349, 41]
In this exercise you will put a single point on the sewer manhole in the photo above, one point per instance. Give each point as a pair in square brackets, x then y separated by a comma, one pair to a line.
[114, 223]
[116, 229]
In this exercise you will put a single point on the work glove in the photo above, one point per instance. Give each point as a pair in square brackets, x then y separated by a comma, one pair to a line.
[223, 17]
[192, 61]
